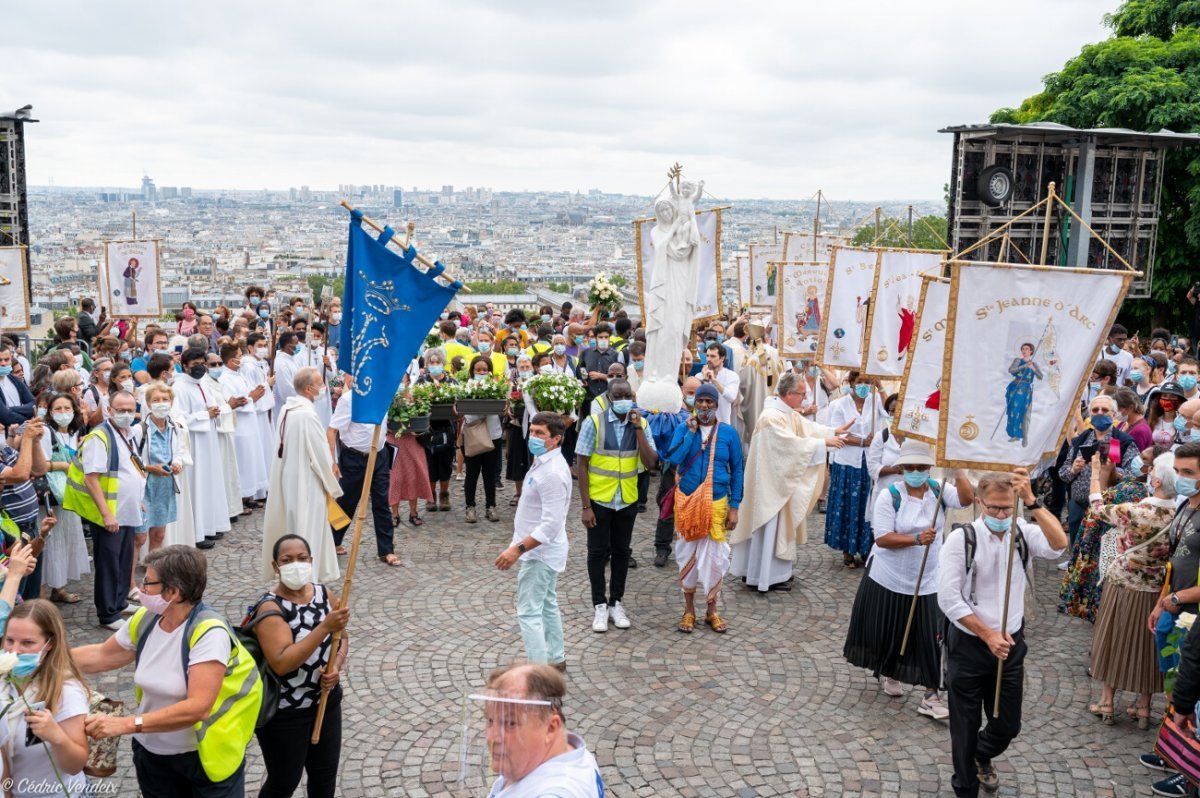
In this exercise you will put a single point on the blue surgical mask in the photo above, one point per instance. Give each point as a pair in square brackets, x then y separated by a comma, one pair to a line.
[578, 340]
[1137, 464]
[485, 348]
[216, 371]
[592, 344]
[511, 351]
[720, 338]
[689, 400]
[862, 390]
[915, 479]
[638, 365]
[622, 406]
[1187, 381]
[537, 446]
[560, 349]
[814, 371]
[1194, 435]
[998, 524]
[434, 371]
[545, 317]
[1094, 387]
[1185, 487]
[480, 377]
[1136, 376]
[264, 312]
[27, 663]
[1180, 423]
[5, 371]
[1101, 422]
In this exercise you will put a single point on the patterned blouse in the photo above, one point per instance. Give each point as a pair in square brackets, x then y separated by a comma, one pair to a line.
[1142, 543]
[302, 687]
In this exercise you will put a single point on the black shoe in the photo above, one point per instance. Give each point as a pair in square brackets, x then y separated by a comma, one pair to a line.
[641, 508]
[660, 559]
[219, 535]
[632, 562]
[205, 544]
[781, 585]
[988, 779]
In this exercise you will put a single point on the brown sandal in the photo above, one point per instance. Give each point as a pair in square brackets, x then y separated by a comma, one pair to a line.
[687, 623]
[444, 501]
[716, 622]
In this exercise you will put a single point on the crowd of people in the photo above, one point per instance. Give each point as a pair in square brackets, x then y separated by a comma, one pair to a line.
[153, 442]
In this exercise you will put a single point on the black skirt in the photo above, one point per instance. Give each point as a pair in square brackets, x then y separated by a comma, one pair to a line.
[518, 454]
[877, 627]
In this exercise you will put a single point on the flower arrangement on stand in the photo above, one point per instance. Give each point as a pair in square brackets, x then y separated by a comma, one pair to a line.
[603, 294]
[560, 393]
[440, 396]
[484, 397]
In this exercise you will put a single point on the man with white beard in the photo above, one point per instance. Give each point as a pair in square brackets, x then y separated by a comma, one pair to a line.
[199, 409]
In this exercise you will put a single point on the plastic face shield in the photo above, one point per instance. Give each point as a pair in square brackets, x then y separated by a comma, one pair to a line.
[495, 726]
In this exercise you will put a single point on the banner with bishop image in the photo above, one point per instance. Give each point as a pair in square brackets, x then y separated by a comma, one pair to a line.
[1021, 341]
[918, 408]
[800, 307]
[708, 283]
[764, 282]
[893, 313]
[14, 297]
[847, 307]
[129, 284]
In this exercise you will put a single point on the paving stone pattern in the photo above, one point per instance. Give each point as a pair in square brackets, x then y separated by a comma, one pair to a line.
[769, 709]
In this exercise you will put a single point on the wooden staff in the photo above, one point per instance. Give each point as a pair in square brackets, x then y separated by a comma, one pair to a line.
[1046, 225]
[360, 515]
[404, 246]
[912, 609]
[1012, 545]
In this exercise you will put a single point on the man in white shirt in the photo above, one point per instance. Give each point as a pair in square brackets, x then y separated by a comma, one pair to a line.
[973, 602]
[350, 447]
[726, 380]
[540, 541]
[1115, 351]
[528, 741]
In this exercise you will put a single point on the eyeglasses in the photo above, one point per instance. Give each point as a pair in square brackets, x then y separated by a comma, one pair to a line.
[999, 512]
[148, 583]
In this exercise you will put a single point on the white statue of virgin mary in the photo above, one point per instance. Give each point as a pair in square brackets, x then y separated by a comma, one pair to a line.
[671, 298]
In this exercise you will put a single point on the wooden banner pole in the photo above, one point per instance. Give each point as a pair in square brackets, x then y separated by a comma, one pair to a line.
[1046, 225]
[912, 608]
[1012, 546]
[360, 515]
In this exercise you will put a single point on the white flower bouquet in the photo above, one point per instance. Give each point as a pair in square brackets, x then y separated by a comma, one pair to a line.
[560, 393]
[603, 294]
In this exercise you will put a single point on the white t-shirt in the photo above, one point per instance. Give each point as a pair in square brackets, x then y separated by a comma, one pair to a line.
[32, 773]
[160, 676]
[131, 483]
[1122, 360]
[574, 774]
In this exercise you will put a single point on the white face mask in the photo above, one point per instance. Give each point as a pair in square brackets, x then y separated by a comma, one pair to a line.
[161, 409]
[63, 419]
[260, 353]
[126, 385]
[295, 575]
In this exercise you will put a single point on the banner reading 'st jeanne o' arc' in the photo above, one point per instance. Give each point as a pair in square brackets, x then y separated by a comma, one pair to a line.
[1021, 340]
[919, 407]
[847, 307]
[894, 308]
[708, 283]
[801, 307]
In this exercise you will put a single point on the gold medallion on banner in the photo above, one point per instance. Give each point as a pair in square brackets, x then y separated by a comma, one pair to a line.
[969, 431]
[882, 356]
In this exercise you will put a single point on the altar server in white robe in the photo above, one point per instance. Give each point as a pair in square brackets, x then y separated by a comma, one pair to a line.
[783, 481]
[182, 531]
[301, 479]
[285, 371]
[226, 432]
[252, 467]
[256, 368]
[312, 354]
[200, 409]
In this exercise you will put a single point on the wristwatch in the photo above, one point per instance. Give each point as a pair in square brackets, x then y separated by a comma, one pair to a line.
[137, 723]
[1174, 599]
[1034, 505]
[521, 547]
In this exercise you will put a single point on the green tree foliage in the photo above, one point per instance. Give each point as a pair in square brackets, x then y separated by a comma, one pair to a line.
[498, 287]
[894, 233]
[316, 283]
[1144, 77]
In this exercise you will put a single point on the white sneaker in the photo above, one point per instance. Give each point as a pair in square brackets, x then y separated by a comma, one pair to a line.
[600, 622]
[129, 609]
[892, 687]
[116, 625]
[617, 613]
[934, 708]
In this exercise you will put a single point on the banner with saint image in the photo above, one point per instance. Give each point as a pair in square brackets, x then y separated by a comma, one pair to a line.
[14, 296]
[1009, 329]
[764, 282]
[918, 409]
[129, 283]
[847, 307]
[800, 307]
[894, 308]
[708, 283]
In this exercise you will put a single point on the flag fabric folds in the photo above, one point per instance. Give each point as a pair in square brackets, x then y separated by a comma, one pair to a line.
[390, 304]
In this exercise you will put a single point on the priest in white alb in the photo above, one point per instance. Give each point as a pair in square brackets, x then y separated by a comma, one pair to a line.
[783, 480]
[198, 407]
[301, 479]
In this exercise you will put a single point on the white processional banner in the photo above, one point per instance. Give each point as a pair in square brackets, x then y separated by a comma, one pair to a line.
[743, 274]
[708, 284]
[14, 297]
[847, 302]
[799, 246]
[764, 282]
[1021, 341]
[129, 279]
[801, 307]
[894, 308]
[919, 405]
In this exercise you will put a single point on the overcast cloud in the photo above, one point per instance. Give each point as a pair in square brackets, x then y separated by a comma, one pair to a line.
[758, 99]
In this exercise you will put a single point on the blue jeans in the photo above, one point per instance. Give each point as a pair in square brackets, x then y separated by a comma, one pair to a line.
[537, 611]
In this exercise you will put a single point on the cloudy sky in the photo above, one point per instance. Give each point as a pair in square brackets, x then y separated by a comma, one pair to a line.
[758, 99]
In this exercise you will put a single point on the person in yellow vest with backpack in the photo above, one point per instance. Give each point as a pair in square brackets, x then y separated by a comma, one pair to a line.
[613, 446]
[199, 693]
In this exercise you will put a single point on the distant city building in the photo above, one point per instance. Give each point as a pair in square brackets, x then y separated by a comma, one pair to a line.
[185, 192]
[398, 198]
[149, 193]
[447, 191]
[169, 192]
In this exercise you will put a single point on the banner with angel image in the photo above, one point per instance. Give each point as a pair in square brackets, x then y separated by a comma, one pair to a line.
[918, 409]
[894, 308]
[847, 307]
[1021, 341]
[129, 279]
[764, 282]
[800, 307]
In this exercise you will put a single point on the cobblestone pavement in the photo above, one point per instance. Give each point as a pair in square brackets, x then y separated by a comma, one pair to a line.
[769, 709]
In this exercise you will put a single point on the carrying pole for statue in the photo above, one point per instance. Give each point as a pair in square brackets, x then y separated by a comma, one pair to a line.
[360, 515]
[817, 224]
[1012, 545]
[912, 608]
[1046, 225]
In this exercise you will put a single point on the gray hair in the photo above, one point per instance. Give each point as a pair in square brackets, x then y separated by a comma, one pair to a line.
[198, 340]
[121, 393]
[181, 567]
[787, 383]
[1163, 469]
[435, 353]
[305, 378]
[524, 358]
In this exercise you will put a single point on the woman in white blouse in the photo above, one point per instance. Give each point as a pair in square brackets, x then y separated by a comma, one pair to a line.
[905, 529]
[847, 528]
[882, 456]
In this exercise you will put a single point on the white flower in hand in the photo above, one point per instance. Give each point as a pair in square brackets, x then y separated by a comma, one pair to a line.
[8, 661]
[1185, 620]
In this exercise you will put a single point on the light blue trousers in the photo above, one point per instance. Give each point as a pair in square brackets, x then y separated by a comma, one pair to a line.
[537, 611]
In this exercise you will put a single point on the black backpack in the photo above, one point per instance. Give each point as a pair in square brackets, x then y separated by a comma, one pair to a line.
[272, 686]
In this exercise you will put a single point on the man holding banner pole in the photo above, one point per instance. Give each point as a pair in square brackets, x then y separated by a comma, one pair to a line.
[976, 564]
